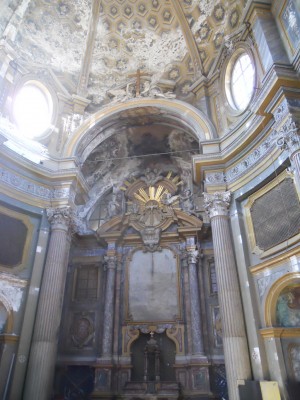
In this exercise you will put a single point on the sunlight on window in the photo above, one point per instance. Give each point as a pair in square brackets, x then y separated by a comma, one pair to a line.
[32, 110]
[242, 81]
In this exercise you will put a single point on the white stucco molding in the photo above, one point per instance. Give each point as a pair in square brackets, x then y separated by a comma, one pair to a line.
[98, 124]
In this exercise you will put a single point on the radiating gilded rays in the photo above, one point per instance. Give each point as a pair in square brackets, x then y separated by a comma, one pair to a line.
[153, 194]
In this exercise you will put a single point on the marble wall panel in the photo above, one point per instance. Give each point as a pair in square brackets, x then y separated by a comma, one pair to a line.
[153, 286]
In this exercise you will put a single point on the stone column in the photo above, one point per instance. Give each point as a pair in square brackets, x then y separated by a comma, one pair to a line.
[288, 138]
[235, 346]
[196, 325]
[42, 359]
[30, 311]
[108, 318]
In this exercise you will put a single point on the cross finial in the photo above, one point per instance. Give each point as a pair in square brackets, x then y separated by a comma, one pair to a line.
[138, 76]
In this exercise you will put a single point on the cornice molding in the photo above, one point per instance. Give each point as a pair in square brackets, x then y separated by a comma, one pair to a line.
[235, 146]
[279, 333]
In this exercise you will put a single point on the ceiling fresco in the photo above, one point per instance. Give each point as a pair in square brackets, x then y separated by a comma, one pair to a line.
[96, 46]
[148, 146]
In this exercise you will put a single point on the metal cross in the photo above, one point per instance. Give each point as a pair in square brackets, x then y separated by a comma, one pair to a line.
[138, 76]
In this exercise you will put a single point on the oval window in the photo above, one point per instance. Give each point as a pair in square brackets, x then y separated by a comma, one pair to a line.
[241, 82]
[33, 109]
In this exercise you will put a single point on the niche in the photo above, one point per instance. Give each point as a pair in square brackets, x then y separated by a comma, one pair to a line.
[166, 351]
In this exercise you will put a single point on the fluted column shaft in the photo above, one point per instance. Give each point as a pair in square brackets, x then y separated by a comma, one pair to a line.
[235, 345]
[42, 359]
[107, 340]
[196, 323]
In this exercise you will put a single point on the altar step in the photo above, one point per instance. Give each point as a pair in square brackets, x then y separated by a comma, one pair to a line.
[152, 390]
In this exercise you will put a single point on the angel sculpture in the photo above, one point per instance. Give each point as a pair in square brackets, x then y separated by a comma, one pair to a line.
[151, 177]
[168, 199]
[121, 94]
[152, 89]
[187, 201]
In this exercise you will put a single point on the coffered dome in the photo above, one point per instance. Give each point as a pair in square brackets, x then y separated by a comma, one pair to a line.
[95, 47]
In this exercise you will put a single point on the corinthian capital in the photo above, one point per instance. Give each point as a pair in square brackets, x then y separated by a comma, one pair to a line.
[288, 136]
[192, 255]
[111, 262]
[217, 203]
[60, 217]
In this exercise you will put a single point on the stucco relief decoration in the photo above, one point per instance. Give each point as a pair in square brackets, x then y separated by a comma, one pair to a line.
[117, 39]
[82, 330]
[135, 49]
[71, 122]
[158, 328]
[253, 158]
[214, 177]
[152, 205]
[149, 88]
[110, 262]
[62, 217]
[44, 32]
[12, 294]
[217, 203]
[192, 255]
[265, 281]
[281, 111]
[186, 200]
[27, 186]
[213, 26]
[288, 136]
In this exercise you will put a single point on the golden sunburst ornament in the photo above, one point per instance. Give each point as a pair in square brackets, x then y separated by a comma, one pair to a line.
[153, 194]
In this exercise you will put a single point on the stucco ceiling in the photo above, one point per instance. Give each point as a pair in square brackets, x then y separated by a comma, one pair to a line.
[94, 46]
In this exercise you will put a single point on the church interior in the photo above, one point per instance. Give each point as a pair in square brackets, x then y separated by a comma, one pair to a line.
[149, 199]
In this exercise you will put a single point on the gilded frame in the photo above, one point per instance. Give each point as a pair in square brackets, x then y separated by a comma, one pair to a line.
[273, 294]
[25, 219]
[249, 224]
[127, 317]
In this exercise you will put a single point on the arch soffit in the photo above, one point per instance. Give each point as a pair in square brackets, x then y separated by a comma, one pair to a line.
[191, 117]
[271, 300]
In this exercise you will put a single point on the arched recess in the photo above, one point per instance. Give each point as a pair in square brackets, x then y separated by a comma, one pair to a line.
[8, 326]
[166, 348]
[274, 292]
[91, 133]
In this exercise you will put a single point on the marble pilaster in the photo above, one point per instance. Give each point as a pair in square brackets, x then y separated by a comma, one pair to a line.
[235, 345]
[108, 319]
[30, 312]
[42, 359]
[196, 325]
[277, 366]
